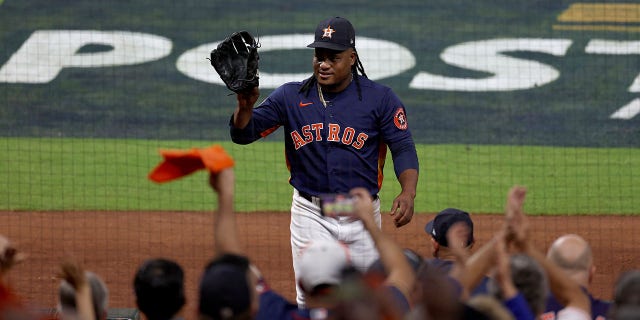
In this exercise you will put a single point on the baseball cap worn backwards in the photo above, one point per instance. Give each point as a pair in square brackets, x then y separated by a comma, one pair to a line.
[334, 33]
[224, 288]
[439, 226]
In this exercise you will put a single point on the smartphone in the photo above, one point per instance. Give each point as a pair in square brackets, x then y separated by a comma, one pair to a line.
[336, 205]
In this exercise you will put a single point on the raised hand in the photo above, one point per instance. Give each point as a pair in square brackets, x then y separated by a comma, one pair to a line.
[517, 224]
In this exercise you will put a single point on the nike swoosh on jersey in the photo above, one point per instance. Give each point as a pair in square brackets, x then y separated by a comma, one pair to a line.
[301, 104]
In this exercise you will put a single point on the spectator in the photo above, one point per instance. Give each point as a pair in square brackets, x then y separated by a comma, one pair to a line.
[567, 291]
[159, 289]
[440, 293]
[231, 287]
[443, 256]
[413, 257]
[626, 297]
[438, 297]
[82, 295]
[377, 273]
[627, 313]
[494, 255]
[437, 230]
[321, 267]
[490, 306]
[322, 261]
[521, 273]
[11, 305]
[573, 255]
[524, 277]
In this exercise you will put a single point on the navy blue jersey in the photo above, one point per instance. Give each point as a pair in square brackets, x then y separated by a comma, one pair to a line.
[445, 267]
[335, 148]
[519, 307]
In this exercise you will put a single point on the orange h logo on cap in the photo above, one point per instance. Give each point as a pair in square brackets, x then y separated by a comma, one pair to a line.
[328, 31]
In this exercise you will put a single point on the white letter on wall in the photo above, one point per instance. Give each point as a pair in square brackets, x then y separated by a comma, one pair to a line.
[598, 46]
[486, 56]
[614, 47]
[46, 52]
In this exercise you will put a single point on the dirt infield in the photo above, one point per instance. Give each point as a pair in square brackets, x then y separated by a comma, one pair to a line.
[113, 244]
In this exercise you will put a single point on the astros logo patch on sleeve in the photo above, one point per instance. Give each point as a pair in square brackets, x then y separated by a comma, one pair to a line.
[400, 119]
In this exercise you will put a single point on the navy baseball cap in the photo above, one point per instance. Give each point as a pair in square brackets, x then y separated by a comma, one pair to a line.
[439, 226]
[334, 33]
[224, 288]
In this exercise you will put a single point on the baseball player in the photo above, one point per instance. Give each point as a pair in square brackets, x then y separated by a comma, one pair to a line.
[337, 126]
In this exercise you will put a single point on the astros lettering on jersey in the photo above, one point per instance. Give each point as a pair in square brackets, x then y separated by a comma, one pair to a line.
[340, 146]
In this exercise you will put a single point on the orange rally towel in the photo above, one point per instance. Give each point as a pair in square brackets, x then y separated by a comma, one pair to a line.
[179, 163]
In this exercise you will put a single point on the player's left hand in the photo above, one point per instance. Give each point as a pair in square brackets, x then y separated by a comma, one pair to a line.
[246, 99]
[402, 209]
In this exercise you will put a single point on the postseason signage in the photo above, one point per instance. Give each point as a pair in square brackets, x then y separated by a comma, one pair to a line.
[550, 73]
[45, 53]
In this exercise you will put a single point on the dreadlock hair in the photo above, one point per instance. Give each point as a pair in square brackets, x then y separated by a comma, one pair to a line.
[355, 68]
[306, 87]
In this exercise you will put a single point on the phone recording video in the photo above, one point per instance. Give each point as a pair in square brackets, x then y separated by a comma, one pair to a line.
[336, 205]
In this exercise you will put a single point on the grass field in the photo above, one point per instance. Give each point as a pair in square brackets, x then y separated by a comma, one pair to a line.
[105, 174]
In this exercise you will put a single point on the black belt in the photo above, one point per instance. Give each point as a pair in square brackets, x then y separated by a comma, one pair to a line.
[315, 199]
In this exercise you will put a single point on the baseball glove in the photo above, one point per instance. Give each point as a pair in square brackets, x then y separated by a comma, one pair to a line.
[236, 61]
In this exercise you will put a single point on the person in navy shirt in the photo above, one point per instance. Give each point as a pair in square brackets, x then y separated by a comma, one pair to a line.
[573, 255]
[231, 287]
[443, 256]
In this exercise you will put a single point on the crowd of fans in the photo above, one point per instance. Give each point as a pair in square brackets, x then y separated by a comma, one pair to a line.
[505, 278]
